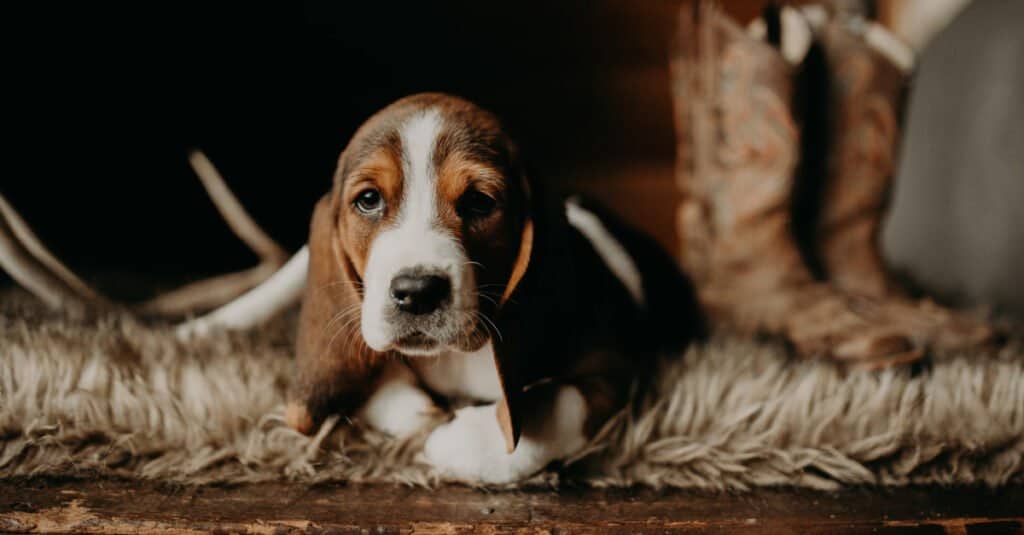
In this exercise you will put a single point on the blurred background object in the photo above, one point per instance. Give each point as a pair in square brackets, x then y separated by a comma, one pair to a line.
[917, 21]
[956, 223]
[105, 101]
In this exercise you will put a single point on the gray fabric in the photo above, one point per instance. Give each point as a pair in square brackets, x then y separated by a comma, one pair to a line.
[957, 220]
[122, 399]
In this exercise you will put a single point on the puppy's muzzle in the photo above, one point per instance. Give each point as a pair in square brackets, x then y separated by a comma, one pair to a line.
[419, 293]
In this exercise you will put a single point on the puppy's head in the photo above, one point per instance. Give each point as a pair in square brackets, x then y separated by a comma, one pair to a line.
[432, 226]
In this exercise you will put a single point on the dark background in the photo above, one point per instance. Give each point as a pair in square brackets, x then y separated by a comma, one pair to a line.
[104, 101]
[107, 100]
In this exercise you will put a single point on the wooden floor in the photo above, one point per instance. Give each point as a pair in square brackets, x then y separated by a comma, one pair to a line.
[107, 506]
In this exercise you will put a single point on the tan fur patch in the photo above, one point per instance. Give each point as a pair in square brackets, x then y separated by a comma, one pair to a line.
[382, 171]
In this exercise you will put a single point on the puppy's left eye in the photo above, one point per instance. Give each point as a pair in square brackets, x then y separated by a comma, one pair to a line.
[474, 205]
[370, 202]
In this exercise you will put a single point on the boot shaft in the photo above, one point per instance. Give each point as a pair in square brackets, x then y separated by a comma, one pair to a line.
[868, 78]
[737, 149]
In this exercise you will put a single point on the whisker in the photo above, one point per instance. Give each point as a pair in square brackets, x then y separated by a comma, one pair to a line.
[357, 284]
[351, 324]
[487, 297]
[331, 342]
[487, 328]
[488, 320]
[497, 296]
[341, 314]
[346, 328]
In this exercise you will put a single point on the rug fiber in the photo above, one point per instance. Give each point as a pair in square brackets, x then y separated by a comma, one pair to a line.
[119, 398]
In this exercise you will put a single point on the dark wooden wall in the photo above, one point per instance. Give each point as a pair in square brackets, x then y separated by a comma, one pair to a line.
[107, 100]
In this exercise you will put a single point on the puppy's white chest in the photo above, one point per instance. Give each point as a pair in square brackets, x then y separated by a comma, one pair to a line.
[456, 374]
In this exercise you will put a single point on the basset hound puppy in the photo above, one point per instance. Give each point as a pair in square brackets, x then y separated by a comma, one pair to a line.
[439, 269]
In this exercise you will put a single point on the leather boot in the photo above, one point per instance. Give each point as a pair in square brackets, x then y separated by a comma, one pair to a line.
[868, 70]
[867, 84]
[738, 149]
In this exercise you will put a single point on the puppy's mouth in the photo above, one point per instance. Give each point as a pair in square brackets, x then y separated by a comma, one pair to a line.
[416, 342]
[421, 344]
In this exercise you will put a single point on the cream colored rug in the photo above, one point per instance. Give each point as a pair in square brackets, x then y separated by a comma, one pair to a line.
[117, 398]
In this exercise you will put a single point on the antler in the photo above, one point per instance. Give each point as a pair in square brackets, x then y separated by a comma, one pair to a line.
[212, 292]
[38, 270]
[34, 267]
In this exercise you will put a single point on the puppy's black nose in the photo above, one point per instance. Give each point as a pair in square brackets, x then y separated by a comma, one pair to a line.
[420, 294]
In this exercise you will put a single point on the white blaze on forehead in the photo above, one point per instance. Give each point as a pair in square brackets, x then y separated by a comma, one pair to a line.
[419, 138]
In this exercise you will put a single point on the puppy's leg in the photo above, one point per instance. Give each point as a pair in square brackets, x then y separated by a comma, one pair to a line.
[471, 447]
[326, 386]
[398, 406]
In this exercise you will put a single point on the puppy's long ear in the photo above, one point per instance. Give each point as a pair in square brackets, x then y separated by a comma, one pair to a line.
[522, 317]
[336, 370]
[525, 247]
[507, 345]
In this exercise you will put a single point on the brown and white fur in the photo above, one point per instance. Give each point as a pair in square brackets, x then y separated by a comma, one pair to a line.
[438, 269]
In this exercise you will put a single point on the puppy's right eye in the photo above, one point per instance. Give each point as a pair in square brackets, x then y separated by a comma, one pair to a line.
[370, 202]
[475, 205]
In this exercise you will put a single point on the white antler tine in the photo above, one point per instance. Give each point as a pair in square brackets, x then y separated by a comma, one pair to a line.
[281, 290]
[207, 293]
[233, 212]
[215, 291]
[23, 233]
[271, 285]
[32, 266]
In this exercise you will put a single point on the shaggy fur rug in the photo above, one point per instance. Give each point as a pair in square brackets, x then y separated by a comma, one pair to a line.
[118, 398]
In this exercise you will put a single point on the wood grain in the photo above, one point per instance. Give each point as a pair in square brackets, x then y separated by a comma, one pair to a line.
[106, 506]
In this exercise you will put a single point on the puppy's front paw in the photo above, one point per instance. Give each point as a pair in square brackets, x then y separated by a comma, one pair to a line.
[471, 448]
[400, 410]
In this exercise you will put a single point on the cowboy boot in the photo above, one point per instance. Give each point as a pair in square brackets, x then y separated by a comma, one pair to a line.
[866, 90]
[738, 149]
[868, 71]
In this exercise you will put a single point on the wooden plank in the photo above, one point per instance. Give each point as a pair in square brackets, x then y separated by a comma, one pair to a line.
[106, 506]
